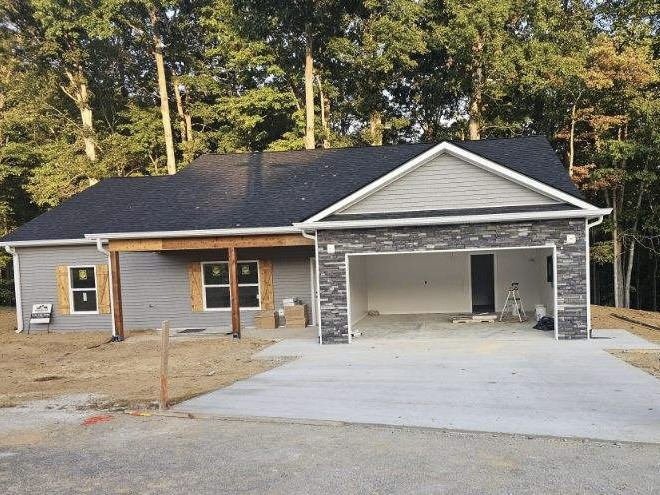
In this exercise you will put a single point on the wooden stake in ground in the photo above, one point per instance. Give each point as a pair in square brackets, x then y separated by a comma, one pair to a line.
[164, 349]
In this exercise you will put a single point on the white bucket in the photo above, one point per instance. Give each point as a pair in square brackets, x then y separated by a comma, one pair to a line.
[541, 311]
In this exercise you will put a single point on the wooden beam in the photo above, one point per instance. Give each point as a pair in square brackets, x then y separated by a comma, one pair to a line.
[135, 245]
[164, 353]
[225, 242]
[117, 308]
[233, 293]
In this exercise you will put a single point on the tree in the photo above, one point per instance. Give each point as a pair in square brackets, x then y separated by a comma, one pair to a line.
[376, 53]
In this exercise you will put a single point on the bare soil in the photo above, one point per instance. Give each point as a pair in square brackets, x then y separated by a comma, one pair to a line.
[601, 317]
[41, 365]
[646, 359]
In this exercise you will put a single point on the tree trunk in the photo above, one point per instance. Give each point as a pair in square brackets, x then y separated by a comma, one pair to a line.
[654, 284]
[571, 142]
[189, 131]
[79, 93]
[162, 89]
[631, 249]
[310, 142]
[617, 262]
[179, 110]
[88, 123]
[476, 96]
[376, 128]
[324, 121]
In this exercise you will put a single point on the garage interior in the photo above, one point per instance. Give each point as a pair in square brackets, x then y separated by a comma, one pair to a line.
[417, 294]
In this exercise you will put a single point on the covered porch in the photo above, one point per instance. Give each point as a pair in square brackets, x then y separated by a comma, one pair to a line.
[206, 283]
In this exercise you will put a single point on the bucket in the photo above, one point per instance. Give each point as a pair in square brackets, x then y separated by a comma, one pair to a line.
[541, 311]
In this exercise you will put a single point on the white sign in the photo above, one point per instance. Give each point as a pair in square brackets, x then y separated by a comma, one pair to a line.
[41, 313]
[571, 239]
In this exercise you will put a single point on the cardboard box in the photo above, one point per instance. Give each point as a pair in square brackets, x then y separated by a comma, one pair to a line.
[265, 320]
[296, 316]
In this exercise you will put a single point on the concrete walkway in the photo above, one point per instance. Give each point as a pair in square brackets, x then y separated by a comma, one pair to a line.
[519, 382]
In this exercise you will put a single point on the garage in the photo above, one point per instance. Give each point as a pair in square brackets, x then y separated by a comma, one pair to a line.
[394, 293]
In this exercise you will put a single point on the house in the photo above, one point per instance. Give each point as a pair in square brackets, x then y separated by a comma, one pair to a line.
[419, 228]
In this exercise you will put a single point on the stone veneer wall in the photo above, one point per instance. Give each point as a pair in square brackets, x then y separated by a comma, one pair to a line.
[571, 262]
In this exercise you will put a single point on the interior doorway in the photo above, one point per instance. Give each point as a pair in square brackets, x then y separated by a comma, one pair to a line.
[482, 268]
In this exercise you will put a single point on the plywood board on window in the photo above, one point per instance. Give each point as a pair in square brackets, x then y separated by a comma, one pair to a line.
[103, 289]
[195, 281]
[267, 294]
[62, 280]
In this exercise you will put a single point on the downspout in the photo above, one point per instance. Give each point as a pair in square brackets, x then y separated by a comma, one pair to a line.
[17, 287]
[316, 289]
[102, 250]
[590, 225]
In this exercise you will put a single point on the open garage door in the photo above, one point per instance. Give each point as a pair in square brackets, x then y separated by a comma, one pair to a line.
[446, 284]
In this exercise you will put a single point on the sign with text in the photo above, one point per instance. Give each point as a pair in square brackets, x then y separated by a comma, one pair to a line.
[41, 313]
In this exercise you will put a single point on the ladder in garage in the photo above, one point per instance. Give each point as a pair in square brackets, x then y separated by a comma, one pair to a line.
[513, 304]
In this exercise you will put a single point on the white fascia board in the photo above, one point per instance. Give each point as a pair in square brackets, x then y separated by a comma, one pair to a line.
[446, 147]
[194, 233]
[454, 220]
[44, 243]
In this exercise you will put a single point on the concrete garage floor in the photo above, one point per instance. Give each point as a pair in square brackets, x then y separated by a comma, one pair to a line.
[497, 378]
[434, 326]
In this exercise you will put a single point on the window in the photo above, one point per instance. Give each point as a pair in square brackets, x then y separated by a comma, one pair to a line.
[82, 280]
[549, 269]
[215, 281]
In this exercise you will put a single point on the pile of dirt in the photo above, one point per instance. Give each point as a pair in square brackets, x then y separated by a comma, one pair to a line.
[646, 359]
[41, 365]
[603, 317]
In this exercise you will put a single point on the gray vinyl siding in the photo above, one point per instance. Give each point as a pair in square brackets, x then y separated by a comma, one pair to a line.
[38, 284]
[155, 286]
[447, 182]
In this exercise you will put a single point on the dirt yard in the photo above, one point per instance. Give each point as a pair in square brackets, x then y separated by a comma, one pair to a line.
[648, 360]
[41, 366]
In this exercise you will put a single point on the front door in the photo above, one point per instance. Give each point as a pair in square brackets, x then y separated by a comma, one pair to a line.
[482, 267]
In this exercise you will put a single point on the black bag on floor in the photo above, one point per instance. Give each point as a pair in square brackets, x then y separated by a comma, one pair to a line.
[546, 324]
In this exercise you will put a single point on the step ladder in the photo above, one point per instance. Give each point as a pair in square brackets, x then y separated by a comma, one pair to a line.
[513, 304]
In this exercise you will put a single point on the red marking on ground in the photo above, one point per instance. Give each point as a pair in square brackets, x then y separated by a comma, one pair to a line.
[92, 420]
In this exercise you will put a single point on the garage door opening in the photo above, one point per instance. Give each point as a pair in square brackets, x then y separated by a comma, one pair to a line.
[421, 293]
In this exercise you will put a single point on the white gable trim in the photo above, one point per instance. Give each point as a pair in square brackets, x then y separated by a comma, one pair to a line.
[454, 220]
[473, 158]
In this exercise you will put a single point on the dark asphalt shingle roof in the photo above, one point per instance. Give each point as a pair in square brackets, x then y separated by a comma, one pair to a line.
[272, 189]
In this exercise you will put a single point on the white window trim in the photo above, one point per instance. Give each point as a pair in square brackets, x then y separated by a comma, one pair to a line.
[72, 307]
[228, 285]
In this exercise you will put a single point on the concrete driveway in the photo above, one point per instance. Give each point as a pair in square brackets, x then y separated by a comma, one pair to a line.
[499, 381]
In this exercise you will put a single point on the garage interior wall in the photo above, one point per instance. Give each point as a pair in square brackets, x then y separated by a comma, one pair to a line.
[440, 282]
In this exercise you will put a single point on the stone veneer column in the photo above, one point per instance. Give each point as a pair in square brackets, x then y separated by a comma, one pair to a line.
[571, 262]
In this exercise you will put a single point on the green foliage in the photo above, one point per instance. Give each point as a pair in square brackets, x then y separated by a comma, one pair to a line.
[79, 76]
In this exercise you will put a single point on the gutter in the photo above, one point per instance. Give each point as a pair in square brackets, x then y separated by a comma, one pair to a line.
[44, 243]
[316, 289]
[102, 250]
[590, 225]
[17, 287]
[454, 220]
[193, 233]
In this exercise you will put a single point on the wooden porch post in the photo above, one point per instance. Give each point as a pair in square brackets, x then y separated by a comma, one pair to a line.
[233, 294]
[117, 309]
